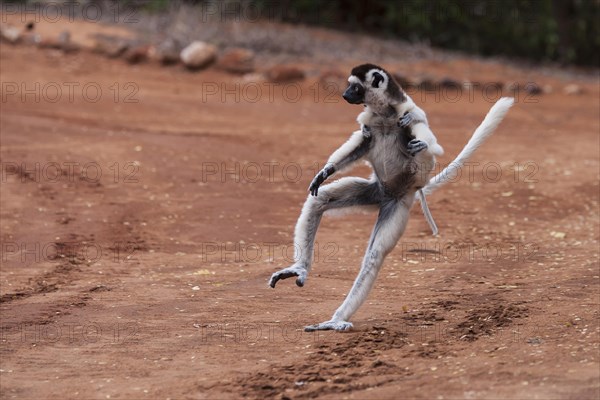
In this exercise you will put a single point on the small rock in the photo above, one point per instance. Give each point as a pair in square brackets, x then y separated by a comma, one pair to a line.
[63, 42]
[66, 44]
[572, 89]
[237, 61]
[198, 55]
[111, 46]
[10, 33]
[253, 78]
[533, 88]
[64, 38]
[44, 42]
[136, 54]
[547, 89]
[167, 52]
[284, 73]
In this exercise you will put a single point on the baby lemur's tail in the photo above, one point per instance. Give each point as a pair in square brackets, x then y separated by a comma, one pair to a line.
[483, 131]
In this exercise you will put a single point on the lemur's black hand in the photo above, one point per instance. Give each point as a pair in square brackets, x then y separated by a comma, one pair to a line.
[415, 146]
[317, 181]
[320, 178]
[406, 120]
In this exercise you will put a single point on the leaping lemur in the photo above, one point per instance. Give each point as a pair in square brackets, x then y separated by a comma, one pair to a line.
[396, 140]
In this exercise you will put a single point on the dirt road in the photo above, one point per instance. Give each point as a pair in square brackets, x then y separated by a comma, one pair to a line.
[144, 208]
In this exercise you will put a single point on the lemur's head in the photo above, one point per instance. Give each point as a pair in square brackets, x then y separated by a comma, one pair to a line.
[373, 86]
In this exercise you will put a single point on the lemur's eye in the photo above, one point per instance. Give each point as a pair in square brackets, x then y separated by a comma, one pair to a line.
[377, 79]
[356, 88]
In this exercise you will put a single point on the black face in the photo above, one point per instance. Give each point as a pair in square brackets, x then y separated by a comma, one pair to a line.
[354, 94]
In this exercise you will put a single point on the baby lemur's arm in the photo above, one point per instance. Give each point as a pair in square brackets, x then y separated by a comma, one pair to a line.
[415, 117]
[351, 151]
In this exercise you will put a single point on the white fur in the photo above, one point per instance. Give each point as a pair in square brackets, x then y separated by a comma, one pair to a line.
[310, 216]
[427, 213]
[421, 130]
[389, 233]
[345, 149]
[340, 212]
[391, 222]
[303, 246]
[392, 229]
[364, 117]
[379, 91]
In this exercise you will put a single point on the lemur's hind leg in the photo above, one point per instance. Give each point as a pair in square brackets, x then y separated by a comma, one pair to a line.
[390, 225]
[346, 192]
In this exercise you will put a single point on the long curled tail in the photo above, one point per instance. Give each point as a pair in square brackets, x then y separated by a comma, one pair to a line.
[483, 131]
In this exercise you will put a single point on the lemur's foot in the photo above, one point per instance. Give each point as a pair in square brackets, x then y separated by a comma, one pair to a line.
[406, 120]
[294, 270]
[415, 146]
[333, 325]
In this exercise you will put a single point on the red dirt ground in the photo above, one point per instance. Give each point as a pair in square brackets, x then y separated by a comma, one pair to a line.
[150, 281]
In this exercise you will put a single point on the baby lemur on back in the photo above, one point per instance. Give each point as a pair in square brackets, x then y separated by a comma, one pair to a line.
[396, 140]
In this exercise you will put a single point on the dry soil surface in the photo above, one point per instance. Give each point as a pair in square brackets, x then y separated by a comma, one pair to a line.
[144, 209]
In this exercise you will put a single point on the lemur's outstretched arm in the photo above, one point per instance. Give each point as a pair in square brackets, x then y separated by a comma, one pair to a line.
[351, 151]
[346, 192]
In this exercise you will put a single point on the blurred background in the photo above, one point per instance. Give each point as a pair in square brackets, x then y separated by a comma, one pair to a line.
[566, 31]
[155, 156]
